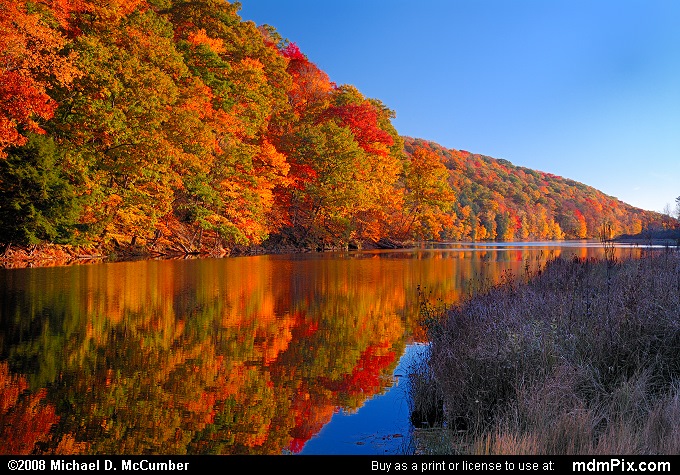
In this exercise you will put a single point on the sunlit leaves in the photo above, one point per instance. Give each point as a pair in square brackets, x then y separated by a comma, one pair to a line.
[32, 59]
[427, 195]
[311, 86]
[361, 117]
[496, 200]
[118, 113]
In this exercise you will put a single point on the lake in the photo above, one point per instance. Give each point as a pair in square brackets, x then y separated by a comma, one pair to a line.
[281, 354]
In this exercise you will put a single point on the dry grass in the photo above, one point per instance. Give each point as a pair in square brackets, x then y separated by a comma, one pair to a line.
[582, 357]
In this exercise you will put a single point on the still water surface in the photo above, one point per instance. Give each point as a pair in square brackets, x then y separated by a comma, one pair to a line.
[301, 354]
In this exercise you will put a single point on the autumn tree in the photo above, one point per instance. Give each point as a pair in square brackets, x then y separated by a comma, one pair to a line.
[376, 171]
[427, 195]
[33, 59]
[246, 85]
[118, 117]
[311, 87]
[344, 159]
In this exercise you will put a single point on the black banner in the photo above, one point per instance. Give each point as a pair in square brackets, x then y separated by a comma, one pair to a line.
[351, 464]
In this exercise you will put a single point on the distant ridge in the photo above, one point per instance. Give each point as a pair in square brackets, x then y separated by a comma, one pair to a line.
[498, 200]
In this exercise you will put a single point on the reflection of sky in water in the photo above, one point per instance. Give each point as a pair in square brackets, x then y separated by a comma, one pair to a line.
[380, 427]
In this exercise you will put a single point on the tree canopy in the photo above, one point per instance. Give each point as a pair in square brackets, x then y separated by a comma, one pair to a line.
[175, 126]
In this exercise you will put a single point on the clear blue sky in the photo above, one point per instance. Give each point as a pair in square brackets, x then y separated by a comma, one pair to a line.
[585, 89]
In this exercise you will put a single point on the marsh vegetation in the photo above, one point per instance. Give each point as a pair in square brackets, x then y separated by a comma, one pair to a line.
[580, 356]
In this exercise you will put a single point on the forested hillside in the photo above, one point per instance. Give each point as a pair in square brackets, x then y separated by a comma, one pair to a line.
[498, 200]
[173, 126]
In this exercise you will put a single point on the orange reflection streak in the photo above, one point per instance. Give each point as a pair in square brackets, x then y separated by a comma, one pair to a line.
[25, 417]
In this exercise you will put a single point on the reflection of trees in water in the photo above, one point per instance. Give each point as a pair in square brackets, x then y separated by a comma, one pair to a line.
[175, 378]
[249, 355]
[25, 417]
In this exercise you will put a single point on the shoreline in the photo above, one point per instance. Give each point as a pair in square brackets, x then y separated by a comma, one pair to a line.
[52, 255]
[667, 237]
[648, 242]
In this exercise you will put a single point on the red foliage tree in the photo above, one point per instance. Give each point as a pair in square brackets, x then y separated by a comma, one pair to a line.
[362, 120]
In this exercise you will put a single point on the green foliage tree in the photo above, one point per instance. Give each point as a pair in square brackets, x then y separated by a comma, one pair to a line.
[38, 199]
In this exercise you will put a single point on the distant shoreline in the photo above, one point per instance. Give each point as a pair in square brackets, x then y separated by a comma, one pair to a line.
[666, 237]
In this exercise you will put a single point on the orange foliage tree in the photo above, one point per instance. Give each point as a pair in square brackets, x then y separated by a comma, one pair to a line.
[428, 196]
[32, 60]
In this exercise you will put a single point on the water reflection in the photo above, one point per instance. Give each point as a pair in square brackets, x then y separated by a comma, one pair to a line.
[250, 355]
